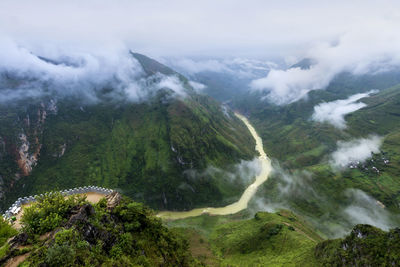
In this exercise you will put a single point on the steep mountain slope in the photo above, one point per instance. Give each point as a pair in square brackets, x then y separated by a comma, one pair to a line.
[281, 126]
[283, 239]
[155, 151]
[364, 246]
[279, 239]
[114, 232]
[303, 148]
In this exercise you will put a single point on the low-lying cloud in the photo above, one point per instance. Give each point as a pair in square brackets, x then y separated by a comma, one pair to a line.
[357, 150]
[293, 183]
[364, 209]
[287, 86]
[197, 86]
[335, 111]
[266, 30]
[195, 66]
[353, 52]
[241, 174]
[296, 190]
[88, 73]
[291, 186]
[241, 67]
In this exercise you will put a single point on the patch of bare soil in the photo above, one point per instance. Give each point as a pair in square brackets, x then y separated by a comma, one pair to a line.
[13, 262]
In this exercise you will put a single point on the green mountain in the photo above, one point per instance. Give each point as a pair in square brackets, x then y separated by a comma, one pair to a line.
[72, 232]
[155, 151]
[303, 148]
[364, 246]
[283, 239]
[58, 231]
[160, 151]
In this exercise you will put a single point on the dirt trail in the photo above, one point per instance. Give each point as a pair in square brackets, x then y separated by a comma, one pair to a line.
[14, 262]
[247, 194]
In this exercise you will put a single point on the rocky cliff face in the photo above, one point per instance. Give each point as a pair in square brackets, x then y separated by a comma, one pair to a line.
[26, 160]
[145, 148]
[28, 153]
[21, 139]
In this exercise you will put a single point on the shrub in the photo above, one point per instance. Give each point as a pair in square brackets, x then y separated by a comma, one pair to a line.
[6, 231]
[129, 235]
[49, 212]
[60, 255]
[67, 236]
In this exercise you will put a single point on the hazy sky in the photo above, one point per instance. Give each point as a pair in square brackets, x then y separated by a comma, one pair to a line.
[353, 36]
[192, 28]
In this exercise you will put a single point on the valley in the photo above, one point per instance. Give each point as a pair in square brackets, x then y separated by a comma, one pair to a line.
[199, 133]
[158, 152]
[190, 158]
[242, 203]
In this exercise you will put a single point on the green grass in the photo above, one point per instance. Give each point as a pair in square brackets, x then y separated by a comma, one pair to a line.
[6, 231]
[272, 239]
[4, 250]
[268, 239]
[300, 144]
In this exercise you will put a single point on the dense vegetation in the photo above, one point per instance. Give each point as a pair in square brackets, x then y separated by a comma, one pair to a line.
[269, 239]
[302, 148]
[58, 231]
[6, 231]
[73, 232]
[284, 239]
[156, 151]
[365, 246]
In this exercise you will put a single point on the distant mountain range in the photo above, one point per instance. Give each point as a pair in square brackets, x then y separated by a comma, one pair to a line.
[180, 151]
[155, 151]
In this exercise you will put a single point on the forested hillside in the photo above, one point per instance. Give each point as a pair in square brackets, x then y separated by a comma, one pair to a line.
[155, 151]
[303, 149]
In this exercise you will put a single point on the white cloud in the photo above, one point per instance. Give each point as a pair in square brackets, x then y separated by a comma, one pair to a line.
[324, 212]
[173, 83]
[364, 209]
[353, 51]
[197, 86]
[355, 150]
[286, 86]
[240, 174]
[293, 183]
[195, 66]
[335, 111]
[213, 29]
[223, 28]
[244, 68]
[178, 27]
[74, 70]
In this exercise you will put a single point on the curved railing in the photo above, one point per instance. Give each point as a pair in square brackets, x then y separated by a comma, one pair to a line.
[15, 208]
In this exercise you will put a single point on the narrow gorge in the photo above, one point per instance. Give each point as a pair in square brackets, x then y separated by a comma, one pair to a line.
[242, 203]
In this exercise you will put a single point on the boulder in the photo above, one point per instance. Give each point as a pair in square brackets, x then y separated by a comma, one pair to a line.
[113, 200]
[81, 214]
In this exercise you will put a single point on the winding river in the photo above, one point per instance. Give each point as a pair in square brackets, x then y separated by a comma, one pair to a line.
[242, 203]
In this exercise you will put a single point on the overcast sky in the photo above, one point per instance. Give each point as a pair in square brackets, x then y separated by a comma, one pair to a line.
[354, 36]
[192, 28]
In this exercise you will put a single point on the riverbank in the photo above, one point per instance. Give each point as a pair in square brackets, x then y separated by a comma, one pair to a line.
[242, 203]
